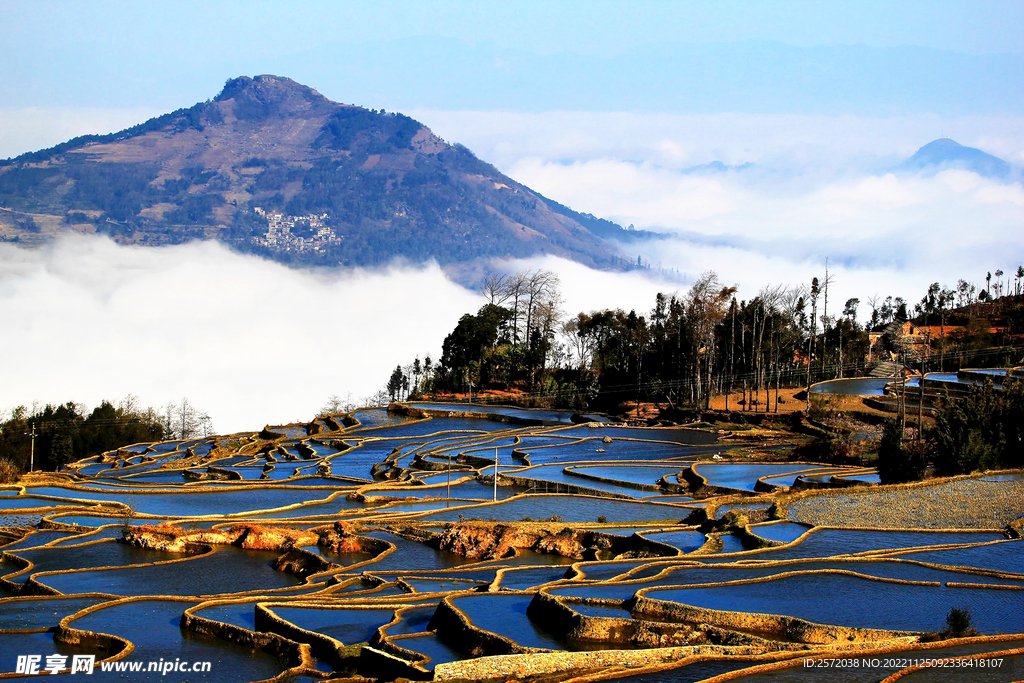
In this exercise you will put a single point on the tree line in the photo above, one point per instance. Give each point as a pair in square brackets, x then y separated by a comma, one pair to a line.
[68, 432]
[692, 346]
[688, 348]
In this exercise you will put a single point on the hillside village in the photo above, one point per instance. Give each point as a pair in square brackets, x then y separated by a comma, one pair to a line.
[307, 233]
[970, 328]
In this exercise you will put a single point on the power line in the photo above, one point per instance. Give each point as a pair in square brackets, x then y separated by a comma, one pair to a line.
[85, 421]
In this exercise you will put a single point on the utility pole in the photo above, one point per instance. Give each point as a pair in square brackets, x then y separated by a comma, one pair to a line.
[32, 449]
[824, 324]
[920, 384]
[639, 374]
[495, 473]
[732, 348]
[920, 406]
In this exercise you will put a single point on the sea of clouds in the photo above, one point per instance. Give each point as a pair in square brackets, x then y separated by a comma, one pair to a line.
[796, 190]
[249, 341]
[253, 342]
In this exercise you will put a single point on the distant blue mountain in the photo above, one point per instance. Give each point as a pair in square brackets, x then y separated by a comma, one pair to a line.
[946, 153]
[716, 167]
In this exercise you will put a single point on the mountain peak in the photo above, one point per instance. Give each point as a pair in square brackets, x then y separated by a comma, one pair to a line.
[948, 153]
[273, 167]
[266, 87]
[942, 144]
[269, 95]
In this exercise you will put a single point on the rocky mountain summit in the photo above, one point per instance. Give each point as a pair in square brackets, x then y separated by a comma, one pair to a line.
[273, 167]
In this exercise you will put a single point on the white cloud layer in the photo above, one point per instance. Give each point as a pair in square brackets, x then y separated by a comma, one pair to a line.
[793, 143]
[819, 187]
[249, 341]
[885, 234]
[583, 289]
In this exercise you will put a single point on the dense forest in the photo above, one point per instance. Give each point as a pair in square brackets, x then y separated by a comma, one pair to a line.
[48, 437]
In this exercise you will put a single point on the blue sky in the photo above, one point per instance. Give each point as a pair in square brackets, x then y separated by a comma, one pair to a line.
[528, 56]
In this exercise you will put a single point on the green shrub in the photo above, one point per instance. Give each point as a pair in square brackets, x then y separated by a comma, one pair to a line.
[824, 407]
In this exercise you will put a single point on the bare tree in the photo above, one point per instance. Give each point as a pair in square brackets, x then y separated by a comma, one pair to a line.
[768, 301]
[706, 305]
[825, 319]
[336, 405]
[581, 346]
[205, 425]
[129, 405]
[541, 290]
[377, 400]
[497, 289]
[184, 421]
[873, 303]
[815, 291]
[516, 286]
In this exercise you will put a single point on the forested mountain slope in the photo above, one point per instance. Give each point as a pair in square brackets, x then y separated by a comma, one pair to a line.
[334, 184]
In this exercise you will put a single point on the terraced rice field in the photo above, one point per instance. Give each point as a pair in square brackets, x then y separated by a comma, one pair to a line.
[316, 554]
[964, 504]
